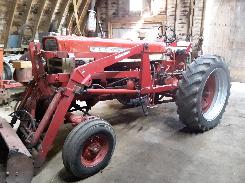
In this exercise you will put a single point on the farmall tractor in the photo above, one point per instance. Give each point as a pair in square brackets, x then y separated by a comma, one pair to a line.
[68, 69]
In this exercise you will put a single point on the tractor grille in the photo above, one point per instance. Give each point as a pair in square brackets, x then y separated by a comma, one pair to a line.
[65, 65]
[60, 65]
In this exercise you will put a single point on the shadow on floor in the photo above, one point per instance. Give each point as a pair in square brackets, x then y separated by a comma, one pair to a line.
[66, 176]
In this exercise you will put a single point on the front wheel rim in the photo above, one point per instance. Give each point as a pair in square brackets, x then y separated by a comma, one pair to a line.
[95, 150]
[214, 94]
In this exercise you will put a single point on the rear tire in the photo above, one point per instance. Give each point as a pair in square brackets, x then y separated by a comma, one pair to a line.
[89, 148]
[7, 72]
[203, 93]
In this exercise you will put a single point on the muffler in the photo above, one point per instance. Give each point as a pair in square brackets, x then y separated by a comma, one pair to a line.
[16, 163]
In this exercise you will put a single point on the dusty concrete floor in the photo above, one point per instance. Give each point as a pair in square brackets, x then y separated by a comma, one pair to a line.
[158, 149]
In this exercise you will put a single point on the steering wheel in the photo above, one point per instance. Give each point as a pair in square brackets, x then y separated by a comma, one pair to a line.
[169, 36]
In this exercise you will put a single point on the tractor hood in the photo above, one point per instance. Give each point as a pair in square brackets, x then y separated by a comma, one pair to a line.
[73, 44]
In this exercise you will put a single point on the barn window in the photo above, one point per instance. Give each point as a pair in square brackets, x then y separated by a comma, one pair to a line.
[136, 5]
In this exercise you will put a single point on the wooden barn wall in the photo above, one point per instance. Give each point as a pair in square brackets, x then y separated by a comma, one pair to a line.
[224, 34]
[28, 17]
[118, 10]
[3, 20]
[185, 16]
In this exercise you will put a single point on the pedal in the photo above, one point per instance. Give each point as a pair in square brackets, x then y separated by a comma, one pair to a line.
[144, 109]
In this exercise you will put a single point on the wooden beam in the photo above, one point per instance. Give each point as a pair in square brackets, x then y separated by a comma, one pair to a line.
[203, 17]
[84, 8]
[39, 15]
[63, 10]
[49, 19]
[70, 21]
[156, 18]
[27, 11]
[76, 7]
[19, 64]
[11, 7]
[69, 17]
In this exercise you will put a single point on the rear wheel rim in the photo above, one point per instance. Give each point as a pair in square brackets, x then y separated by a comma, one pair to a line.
[214, 94]
[208, 93]
[95, 150]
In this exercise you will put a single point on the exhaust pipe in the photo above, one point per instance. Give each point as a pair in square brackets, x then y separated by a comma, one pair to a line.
[16, 163]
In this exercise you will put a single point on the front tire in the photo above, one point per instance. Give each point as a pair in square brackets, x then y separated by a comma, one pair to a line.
[203, 93]
[89, 148]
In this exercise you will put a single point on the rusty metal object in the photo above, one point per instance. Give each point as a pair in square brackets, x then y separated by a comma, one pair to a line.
[23, 75]
[19, 168]
[19, 164]
[23, 70]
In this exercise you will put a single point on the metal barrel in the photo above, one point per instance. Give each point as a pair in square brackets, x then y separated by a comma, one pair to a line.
[16, 163]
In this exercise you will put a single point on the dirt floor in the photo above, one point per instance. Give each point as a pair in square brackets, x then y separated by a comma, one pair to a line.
[159, 149]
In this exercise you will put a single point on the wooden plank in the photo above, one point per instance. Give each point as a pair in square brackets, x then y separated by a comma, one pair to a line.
[203, 17]
[224, 34]
[12, 7]
[20, 64]
[39, 15]
[171, 13]
[13, 49]
[156, 18]
[182, 19]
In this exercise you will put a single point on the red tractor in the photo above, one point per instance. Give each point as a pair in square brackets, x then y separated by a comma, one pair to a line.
[67, 69]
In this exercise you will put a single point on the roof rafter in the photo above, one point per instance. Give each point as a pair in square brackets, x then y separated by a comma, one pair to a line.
[63, 10]
[54, 4]
[85, 7]
[71, 16]
[27, 11]
[12, 7]
[39, 15]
